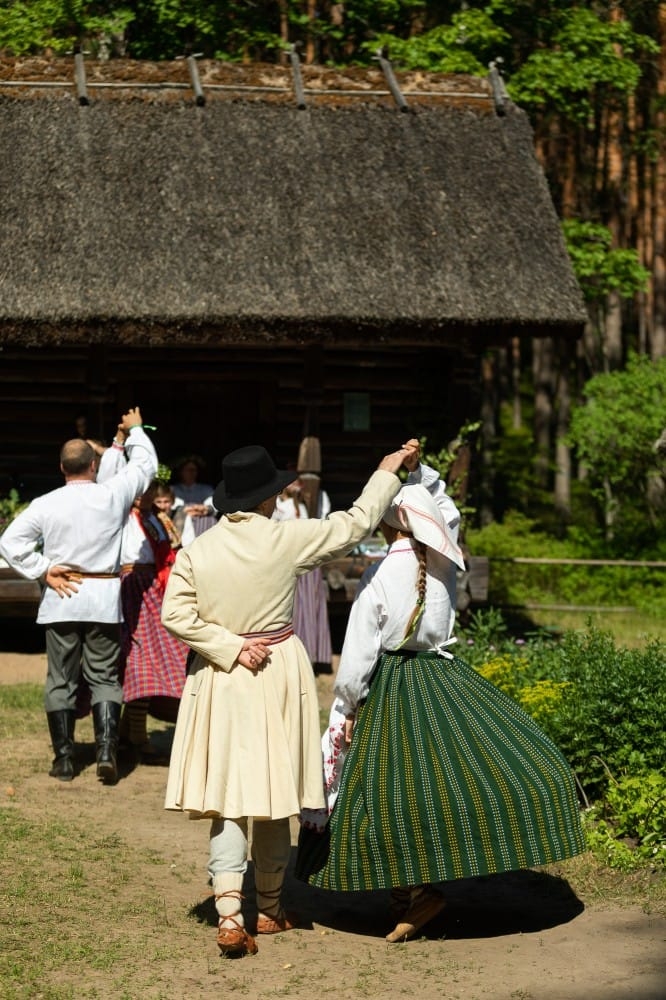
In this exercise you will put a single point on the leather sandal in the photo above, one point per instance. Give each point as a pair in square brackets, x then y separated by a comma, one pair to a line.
[235, 940]
[273, 919]
[274, 925]
[424, 906]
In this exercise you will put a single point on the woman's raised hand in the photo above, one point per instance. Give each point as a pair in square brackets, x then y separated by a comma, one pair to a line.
[409, 453]
[414, 457]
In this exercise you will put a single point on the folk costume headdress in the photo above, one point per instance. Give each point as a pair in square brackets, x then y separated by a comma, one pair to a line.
[414, 512]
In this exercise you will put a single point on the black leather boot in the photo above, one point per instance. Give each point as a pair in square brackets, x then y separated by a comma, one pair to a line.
[61, 728]
[106, 719]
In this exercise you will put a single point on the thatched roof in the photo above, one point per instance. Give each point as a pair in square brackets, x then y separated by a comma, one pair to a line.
[143, 216]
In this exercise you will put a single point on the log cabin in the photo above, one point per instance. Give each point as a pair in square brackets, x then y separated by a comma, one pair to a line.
[251, 253]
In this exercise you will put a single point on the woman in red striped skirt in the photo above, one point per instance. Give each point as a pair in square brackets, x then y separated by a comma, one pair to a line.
[154, 667]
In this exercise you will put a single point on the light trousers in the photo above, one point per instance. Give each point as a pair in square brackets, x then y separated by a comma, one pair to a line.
[271, 844]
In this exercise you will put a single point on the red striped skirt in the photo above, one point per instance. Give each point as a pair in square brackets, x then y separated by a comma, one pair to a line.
[153, 659]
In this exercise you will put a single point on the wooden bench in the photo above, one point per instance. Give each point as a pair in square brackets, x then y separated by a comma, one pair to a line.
[19, 598]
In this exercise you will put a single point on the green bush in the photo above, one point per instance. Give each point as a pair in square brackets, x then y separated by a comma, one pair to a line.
[628, 826]
[603, 706]
[10, 506]
[612, 717]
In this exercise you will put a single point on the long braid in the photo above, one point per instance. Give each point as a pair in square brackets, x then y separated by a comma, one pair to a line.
[421, 579]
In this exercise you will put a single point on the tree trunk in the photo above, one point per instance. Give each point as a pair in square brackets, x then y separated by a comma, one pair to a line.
[517, 409]
[310, 53]
[562, 449]
[488, 436]
[542, 368]
[613, 352]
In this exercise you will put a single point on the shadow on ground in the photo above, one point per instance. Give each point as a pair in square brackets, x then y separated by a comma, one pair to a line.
[523, 902]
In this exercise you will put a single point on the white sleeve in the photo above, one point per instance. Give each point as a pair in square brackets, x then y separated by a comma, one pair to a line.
[111, 463]
[188, 533]
[363, 644]
[19, 541]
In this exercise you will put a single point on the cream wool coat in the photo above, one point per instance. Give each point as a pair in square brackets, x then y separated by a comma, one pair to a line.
[249, 744]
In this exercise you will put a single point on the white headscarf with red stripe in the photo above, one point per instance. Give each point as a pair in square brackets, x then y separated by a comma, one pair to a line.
[415, 512]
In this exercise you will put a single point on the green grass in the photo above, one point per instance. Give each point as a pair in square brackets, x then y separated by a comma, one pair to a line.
[628, 628]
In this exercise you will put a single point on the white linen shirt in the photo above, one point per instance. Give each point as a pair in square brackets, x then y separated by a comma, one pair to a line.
[80, 526]
[136, 547]
[386, 598]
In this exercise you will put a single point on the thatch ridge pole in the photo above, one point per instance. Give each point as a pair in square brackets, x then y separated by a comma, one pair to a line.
[196, 82]
[462, 95]
[80, 76]
[389, 76]
[295, 60]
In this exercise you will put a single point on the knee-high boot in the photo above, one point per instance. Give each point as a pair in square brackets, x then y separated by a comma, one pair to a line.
[106, 718]
[232, 938]
[61, 729]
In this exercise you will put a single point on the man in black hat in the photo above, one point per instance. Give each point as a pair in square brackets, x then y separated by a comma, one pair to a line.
[247, 741]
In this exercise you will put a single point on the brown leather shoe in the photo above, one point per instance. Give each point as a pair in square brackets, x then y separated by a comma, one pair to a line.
[425, 905]
[274, 925]
[235, 940]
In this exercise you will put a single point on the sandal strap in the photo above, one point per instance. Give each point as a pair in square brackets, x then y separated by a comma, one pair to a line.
[274, 909]
[231, 893]
[233, 920]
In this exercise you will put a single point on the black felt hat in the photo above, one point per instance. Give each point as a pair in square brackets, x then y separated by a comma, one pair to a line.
[248, 477]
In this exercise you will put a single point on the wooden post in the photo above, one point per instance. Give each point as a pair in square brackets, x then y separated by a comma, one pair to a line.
[196, 82]
[80, 76]
[389, 76]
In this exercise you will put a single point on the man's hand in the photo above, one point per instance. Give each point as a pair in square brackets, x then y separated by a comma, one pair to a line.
[408, 453]
[98, 448]
[253, 654]
[61, 579]
[130, 419]
[197, 510]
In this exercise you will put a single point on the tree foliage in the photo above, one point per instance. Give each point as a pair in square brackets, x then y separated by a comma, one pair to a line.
[614, 432]
[600, 268]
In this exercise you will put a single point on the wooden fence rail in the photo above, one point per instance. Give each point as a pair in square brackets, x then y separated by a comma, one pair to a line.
[604, 608]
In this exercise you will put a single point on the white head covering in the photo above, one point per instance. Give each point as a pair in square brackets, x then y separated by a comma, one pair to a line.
[415, 511]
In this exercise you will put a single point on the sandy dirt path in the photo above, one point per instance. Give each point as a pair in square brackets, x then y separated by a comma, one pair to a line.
[526, 936]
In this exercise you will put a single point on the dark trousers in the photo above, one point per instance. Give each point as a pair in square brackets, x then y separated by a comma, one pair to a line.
[81, 649]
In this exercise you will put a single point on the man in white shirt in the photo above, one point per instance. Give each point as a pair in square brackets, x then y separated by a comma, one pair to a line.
[69, 539]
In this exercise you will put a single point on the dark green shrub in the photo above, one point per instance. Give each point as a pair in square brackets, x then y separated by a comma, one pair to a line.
[628, 826]
[612, 715]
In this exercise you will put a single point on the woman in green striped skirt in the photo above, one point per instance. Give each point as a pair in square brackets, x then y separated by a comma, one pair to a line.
[445, 777]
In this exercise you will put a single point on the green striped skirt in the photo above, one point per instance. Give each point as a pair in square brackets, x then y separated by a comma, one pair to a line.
[446, 778]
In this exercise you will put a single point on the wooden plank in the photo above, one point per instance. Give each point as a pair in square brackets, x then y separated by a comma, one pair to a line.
[20, 591]
[479, 577]
[538, 561]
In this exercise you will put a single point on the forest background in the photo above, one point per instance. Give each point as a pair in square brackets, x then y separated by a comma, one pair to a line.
[570, 444]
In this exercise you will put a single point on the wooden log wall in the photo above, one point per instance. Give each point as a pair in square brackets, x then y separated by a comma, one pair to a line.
[210, 400]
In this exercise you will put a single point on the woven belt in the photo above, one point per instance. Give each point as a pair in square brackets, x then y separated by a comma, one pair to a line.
[79, 574]
[271, 638]
[128, 567]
